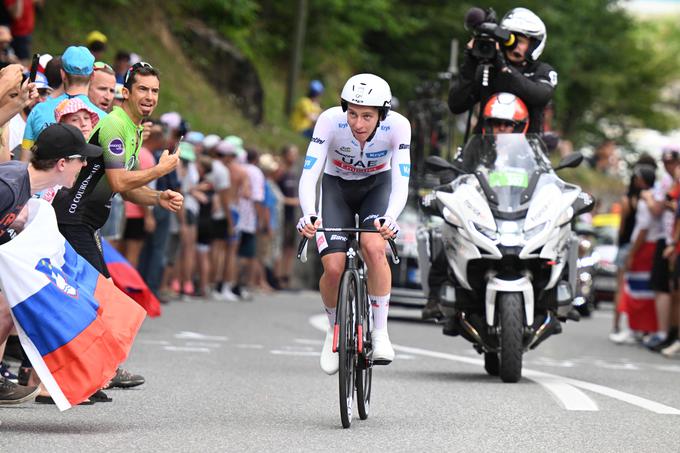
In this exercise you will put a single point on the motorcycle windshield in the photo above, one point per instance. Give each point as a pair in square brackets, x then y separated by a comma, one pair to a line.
[506, 163]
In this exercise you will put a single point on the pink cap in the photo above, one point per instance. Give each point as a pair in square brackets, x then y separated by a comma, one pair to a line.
[73, 105]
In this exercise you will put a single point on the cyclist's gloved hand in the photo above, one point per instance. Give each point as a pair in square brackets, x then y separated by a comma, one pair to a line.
[387, 226]
[308, 224]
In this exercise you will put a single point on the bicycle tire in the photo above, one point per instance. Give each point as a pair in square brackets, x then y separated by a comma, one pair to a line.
[364, 373]
[346, 349]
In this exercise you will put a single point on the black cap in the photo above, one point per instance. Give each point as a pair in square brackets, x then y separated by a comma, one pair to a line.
[62, 140]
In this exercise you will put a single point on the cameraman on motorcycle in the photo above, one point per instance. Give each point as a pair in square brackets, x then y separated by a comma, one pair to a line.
[515, 69]
[504, 113]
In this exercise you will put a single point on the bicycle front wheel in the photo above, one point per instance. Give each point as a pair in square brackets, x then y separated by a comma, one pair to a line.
[347, 296]
[364, 371]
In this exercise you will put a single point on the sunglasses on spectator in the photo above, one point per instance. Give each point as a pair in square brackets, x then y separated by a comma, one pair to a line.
[99, 65]
[83, 159]
[134, 68]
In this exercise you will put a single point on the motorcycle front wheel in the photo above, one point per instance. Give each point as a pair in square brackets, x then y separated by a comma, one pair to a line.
[511, 316]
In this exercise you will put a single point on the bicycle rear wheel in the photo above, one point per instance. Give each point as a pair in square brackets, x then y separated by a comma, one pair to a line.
[364, 371]
[347, 296]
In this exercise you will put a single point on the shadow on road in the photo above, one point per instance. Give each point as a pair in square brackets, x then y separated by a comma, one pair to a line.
[449, 376]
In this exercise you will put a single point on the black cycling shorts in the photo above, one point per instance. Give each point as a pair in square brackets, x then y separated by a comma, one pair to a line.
[341, 199]
[87, 243]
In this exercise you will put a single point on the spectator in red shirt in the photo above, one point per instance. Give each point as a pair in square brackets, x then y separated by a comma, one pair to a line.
[22, 13]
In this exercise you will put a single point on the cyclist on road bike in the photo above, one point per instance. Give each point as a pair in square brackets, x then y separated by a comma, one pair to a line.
[363, 150]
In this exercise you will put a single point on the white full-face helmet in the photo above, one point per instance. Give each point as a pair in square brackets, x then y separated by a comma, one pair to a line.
[368, 90]
[524, 22]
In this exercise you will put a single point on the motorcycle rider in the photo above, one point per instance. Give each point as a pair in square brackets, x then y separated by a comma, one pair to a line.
[504, 113]
[515, 70]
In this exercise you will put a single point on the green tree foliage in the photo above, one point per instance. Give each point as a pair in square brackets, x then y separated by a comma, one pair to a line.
[611, 72]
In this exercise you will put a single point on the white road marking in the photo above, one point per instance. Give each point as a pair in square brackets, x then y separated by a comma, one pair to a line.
[184, 335]
[161, 342]
[185, 349]
[249, 346]
[672, 368]
[202, 344]
[297, 353]
[309, 341]
[562, 388]
[298, 348]
[571, 398]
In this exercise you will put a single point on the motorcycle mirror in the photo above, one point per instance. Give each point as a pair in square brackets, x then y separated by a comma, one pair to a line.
[572, 160]
[436, 163]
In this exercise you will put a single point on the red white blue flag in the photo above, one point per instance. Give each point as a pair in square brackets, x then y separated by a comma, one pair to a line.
[75, 325]
[127, 278]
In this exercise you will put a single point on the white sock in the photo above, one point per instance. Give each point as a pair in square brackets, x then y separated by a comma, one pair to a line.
[380, 305]
[330, 312]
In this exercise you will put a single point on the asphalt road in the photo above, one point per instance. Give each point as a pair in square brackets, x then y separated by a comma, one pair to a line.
[245, 377]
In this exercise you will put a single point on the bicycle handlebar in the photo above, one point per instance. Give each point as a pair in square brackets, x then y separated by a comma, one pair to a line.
[302, 247]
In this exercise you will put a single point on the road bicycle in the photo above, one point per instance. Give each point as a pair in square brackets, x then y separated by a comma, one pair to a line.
[353, 325]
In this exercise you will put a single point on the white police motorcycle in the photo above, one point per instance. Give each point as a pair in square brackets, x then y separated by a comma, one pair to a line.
[509, 246]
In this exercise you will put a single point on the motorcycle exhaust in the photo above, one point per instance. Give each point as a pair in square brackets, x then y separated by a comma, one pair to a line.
[469, 328]
[550, 326]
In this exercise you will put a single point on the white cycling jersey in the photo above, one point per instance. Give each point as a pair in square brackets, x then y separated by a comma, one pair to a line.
[334, 150]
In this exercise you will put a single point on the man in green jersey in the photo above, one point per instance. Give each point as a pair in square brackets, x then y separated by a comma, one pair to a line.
[83, 210]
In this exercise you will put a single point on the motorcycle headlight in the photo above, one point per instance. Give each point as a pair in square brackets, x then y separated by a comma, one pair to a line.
[489, 233]
[531, 232]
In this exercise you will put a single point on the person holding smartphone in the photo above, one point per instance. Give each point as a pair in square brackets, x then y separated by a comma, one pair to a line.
[83, 210]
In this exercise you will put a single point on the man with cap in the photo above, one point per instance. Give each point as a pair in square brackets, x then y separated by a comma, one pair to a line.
[229, 150]
[222, 225]
[77, 65]
[59, 154]
[307, 110]
[96, 42]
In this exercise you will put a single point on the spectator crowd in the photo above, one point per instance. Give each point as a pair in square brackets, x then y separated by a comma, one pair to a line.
[235, 231]
[649, 257]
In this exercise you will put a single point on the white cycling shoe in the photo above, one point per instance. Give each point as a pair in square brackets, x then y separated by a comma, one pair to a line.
[383, 353]
[329, 359]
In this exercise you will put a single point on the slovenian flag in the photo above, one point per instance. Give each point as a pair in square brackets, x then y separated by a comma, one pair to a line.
[127, 278]
[75, 325]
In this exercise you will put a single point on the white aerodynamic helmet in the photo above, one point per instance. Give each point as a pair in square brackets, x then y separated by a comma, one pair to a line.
[524, 22]
[369, 90]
